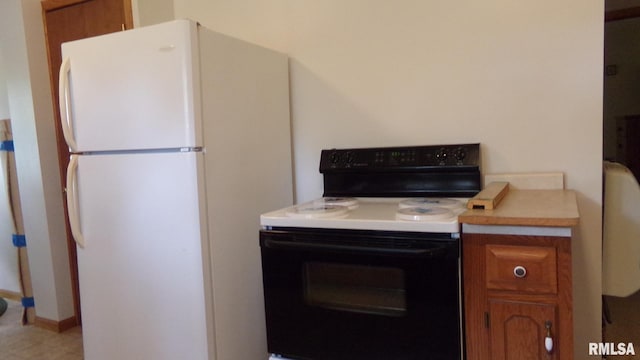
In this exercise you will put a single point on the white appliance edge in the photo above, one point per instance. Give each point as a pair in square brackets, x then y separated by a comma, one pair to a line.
[170, 266]
[371, 214]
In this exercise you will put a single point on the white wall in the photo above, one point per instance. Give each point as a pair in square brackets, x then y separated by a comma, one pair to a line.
[31, 111]
[522, 78]
[9, 267]
[9, 277]
[4, 98]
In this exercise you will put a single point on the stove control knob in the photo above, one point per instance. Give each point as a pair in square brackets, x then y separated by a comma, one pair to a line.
[442, 155]
[334, 157]
[349, 157]
[460, 154]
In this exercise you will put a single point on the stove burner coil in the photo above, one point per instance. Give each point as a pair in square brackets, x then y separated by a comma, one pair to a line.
[349, 202]
[314, 211]
[423, 214]
[431, 202]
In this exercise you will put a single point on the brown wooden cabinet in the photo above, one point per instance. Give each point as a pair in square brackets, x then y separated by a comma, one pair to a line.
[517, 291]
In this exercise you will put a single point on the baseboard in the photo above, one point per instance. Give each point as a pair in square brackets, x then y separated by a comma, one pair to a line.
[11, 295]
[57, 326]
[52, 325]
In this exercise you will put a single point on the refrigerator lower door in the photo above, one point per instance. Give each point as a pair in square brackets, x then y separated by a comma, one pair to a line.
[143, 282]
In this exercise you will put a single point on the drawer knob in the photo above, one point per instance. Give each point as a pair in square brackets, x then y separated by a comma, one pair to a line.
[519, 271]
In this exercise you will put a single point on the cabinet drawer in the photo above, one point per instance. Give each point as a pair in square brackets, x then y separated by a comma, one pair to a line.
[530, 269]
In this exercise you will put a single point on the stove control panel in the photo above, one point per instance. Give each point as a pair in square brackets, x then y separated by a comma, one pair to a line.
[407, 158]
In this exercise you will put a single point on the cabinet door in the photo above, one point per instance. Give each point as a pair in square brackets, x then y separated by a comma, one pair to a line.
[518, 330]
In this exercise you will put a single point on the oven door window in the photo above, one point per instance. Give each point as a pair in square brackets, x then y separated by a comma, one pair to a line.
[355, 288]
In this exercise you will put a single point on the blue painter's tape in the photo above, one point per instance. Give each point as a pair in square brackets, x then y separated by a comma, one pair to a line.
[19, 240]
[28, 302]
[6, 145]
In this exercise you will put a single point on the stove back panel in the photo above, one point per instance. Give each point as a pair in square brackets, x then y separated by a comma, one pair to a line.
[414, 171]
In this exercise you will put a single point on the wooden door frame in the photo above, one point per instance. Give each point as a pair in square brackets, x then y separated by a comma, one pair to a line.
[622, 14]
[49, 5]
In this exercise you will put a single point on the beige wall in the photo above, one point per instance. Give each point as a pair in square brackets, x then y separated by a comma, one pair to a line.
[149, 12]
[522, 78]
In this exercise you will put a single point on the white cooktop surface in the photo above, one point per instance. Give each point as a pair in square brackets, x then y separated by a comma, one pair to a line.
[391, 214]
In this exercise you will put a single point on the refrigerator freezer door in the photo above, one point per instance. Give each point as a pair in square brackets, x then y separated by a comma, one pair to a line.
[136, 89]
[143, 280]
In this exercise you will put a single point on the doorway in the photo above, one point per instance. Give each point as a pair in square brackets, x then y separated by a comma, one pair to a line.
[621, 135]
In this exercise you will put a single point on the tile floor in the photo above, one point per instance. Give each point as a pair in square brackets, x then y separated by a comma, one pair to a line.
[18, 342]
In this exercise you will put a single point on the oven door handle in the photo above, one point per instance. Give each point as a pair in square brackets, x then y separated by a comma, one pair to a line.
[287, 245]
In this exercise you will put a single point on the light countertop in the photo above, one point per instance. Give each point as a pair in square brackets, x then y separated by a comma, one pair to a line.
[547, 208]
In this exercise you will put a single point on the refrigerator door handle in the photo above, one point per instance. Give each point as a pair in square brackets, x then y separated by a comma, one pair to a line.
[65, 105]
[72, 201]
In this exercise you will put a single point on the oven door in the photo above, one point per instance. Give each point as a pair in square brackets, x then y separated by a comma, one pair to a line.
[336, 294]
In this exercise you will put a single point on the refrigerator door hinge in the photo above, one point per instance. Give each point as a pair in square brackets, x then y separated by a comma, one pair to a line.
[486, 319]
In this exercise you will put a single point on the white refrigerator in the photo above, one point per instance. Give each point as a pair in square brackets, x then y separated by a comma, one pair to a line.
[180, 139]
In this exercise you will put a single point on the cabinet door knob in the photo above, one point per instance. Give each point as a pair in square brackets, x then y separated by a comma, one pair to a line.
[548, 340]
[519, 271]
